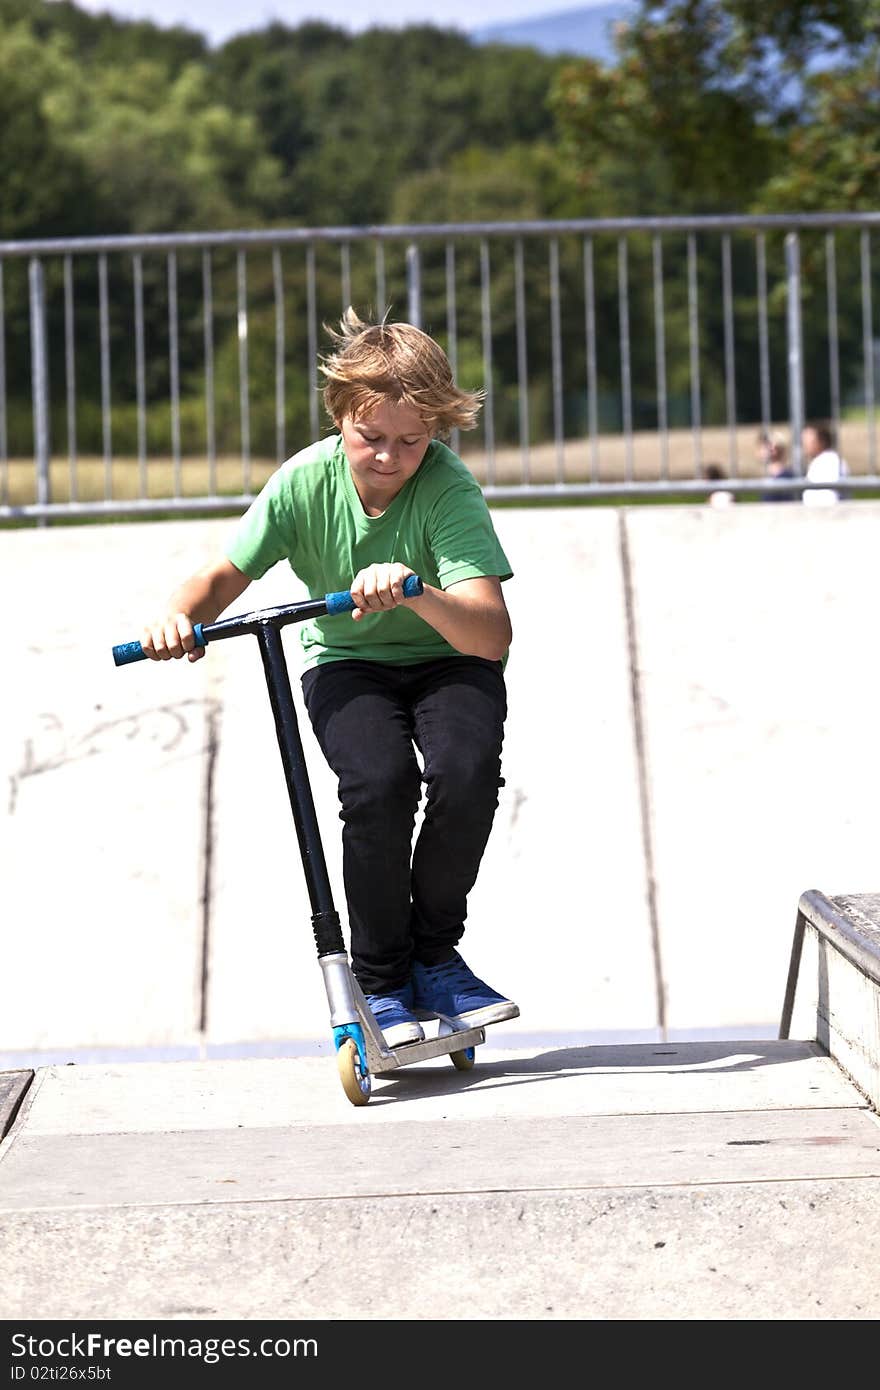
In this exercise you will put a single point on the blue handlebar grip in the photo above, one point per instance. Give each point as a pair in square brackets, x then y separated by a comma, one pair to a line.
[127, 652]
[343, 602]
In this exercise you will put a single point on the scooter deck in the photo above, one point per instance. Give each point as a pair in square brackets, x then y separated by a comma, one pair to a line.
[383, 1059]
[442, 1037]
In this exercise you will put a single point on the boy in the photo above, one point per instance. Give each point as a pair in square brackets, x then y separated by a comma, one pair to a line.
[382, 499]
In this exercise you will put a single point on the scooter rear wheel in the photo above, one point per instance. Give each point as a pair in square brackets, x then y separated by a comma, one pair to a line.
[355, 1082]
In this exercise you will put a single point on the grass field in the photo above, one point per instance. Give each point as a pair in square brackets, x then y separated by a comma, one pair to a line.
[613, 460]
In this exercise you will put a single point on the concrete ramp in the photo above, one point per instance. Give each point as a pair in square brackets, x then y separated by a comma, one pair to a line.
[565, 857]
[102, 827]
[758, 681]
[691, 695]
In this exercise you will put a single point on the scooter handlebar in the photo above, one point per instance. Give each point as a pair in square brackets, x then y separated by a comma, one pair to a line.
[127, 652]
[342, 602]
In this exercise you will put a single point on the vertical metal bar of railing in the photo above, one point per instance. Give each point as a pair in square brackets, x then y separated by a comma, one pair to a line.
[556, 361]
[625, 362]
[140, 372]
[522, 369]
[794, 332]
[660, 356]
[592, 380]
[413, 285]
[833, 335]
[312, 321]
[243, 391]
[345, 273]
[729, 366]
[868, 349]
[381, 305]
[452, 328]
[70, 378]
[174, 370]
[794, 965]
[39, 379]
[208, 340]
[763, 333]
[486, 319]
[106, 420]
[4, 432]
[694, 348]
[278, 290]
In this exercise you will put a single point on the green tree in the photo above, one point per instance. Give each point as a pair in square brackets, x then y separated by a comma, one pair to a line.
[44, 185]
[715, 104]
[163, 155]
[101, 39]
[349, 118]
[833, 157]
[662, 131]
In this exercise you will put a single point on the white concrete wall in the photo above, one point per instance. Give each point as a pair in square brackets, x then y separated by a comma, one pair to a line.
[756, 676]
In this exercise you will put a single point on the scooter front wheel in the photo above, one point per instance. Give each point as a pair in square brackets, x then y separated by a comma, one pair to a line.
[464, 1060]
[356, 1082]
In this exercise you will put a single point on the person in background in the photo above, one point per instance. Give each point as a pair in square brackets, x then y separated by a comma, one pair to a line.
[720, 497]
[823, 464]
[773, 456]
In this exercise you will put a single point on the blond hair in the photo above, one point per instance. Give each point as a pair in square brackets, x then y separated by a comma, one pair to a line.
[375, 363]
[775, 443]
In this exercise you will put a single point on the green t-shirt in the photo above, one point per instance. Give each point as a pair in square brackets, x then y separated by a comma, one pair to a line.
[309, 514]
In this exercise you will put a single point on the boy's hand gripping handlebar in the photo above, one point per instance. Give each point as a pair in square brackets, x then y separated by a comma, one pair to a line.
[329, 605]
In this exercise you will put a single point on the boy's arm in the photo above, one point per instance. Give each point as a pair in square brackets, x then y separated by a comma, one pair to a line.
[471, 614]
[200, 599]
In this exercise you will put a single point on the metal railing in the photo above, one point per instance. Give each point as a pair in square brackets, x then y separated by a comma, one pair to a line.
[834, 925]
[171, 373]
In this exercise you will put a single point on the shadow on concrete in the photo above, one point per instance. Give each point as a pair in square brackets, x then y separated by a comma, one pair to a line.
[437, 1078]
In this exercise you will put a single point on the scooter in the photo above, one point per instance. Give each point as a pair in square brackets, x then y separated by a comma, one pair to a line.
[361, 1050]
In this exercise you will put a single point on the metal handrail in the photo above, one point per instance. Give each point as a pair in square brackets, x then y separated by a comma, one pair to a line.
[410, 231]
[837, 929]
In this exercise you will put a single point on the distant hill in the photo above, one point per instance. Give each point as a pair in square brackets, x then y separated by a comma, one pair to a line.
[586, 31]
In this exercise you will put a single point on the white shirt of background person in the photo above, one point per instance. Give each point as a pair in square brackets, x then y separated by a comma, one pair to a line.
[722, 498]
[825, 466]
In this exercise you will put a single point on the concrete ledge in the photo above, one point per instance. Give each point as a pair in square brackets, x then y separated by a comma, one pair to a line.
[667, 1181]
[13, 1085]
[833, 993]
[752, 1251]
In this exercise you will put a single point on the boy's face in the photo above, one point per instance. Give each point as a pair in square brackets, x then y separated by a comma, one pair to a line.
[384, 450]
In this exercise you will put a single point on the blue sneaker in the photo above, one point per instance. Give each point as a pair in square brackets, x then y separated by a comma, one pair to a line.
[393, 1013]
[453, 990]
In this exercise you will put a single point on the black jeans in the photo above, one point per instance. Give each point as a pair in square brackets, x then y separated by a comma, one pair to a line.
[409, 901]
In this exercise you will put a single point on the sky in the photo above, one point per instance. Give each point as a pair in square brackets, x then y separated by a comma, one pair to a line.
[219, 20]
